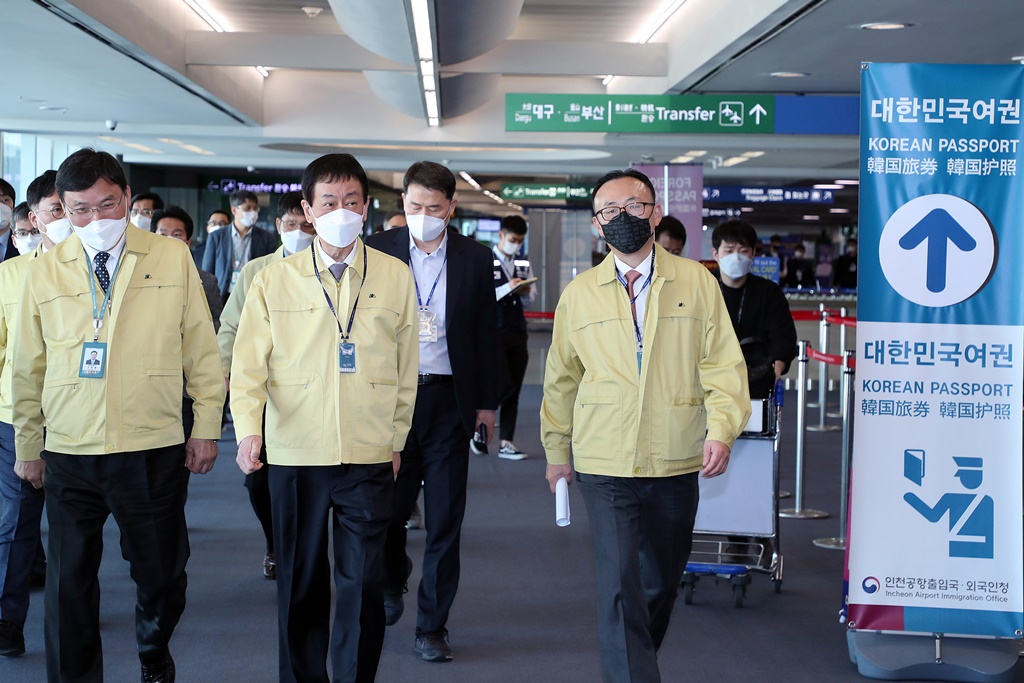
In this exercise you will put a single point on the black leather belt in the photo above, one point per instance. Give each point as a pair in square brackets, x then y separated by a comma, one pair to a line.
[434, 379]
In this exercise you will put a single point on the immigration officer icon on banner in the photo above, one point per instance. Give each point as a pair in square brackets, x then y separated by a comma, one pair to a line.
[937, 250]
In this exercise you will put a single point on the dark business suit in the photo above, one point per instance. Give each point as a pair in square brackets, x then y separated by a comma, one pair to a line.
[217, 258]
[12, 250]
[444, 419]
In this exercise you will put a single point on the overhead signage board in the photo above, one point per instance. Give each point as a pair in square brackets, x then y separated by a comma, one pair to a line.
[935, 511]
[527, 192]
[767, 195]
[715, 114]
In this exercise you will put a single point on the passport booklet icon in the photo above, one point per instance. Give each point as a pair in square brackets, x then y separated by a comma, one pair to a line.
[913, 465]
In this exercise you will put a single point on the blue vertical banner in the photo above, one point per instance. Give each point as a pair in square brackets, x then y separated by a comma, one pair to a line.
[935, 541]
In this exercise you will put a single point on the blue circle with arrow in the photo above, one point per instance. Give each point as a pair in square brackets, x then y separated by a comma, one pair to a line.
[937, 250]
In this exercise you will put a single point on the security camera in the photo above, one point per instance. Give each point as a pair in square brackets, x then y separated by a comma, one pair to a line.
[250, 169]
[111, 124]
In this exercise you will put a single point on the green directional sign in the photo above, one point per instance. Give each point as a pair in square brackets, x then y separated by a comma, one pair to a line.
[540, 191]
[640, 113]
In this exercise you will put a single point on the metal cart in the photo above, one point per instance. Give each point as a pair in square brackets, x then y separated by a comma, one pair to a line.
[743, 502]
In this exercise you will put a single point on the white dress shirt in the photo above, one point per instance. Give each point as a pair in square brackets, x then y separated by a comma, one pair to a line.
[644, 269]
[426, 268]
[115, 255]
[323, 261]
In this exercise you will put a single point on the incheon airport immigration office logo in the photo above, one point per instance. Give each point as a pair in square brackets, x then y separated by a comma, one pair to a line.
[870, 585]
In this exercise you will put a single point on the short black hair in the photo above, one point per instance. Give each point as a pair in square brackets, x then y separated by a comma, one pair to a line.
[393, 214]
[736, 230]
[673, 227]
[432, 176]
[514, 224]
[42, 187]
[239, 197]
[331, 168]
[158, 202]
[626, 173]
[20, 213]
[7, 189]
[223, 212]
[290, 202]
[84, 168]
[174, 212]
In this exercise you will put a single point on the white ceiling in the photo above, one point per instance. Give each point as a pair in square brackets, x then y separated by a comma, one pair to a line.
[161, 73]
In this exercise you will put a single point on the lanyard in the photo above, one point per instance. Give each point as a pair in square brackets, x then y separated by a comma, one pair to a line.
[97, 314]
[352, 316]
[636, 325]
[424, 306]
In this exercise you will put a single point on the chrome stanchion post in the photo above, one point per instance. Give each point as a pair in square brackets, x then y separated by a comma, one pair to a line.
[839, 542]
[822, 333]
[842, 349]
[823, 377]
[801, 413]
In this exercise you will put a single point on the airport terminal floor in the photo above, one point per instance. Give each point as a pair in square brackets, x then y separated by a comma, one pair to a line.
[526, 604]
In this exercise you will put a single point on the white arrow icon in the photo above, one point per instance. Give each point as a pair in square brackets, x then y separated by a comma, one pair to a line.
[758, 111]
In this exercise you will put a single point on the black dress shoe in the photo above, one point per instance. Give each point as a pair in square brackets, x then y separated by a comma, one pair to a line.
[12, 640]
[159, 672]
[394, 606]
[269, 567]
[434, 647]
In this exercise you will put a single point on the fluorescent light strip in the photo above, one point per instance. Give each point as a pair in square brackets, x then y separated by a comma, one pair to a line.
[733, 161]
[263, 71]
[847, 182]
[828, 186]
[207, 16]
[425, 50]
[839, 211]
[142, 148]
[470, 179]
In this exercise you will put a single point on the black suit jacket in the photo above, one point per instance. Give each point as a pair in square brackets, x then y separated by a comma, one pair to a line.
[217, 256]
[12, 250]
[470, 318]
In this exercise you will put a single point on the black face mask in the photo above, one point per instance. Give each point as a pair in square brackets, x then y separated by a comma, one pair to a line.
[627, 233]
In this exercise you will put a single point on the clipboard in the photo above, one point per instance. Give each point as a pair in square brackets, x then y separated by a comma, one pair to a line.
[525, 283]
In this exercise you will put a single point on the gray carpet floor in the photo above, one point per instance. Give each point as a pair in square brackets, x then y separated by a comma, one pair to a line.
[525, 609]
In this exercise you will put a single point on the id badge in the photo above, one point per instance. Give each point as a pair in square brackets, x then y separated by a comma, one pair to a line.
[427, 325]
[346, 357]
[234, 277]
[94, 360]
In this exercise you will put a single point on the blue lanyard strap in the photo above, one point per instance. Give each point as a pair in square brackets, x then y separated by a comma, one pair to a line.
[352, 316]
[437, 279]
[647, 282]
[97, 314]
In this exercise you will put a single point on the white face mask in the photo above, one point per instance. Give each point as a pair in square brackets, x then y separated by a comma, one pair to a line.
[144, 222]
[295, 241]
[423, 227]
[339, 228]
[27, 244]
[248, 218]
[735, 265]
[508, 248]
[5, 215]
[104, 233]
[59, 230]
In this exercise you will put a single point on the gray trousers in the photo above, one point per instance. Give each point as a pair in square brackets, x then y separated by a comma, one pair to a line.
[642, 532]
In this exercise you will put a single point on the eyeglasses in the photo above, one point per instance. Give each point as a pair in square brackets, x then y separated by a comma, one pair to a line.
[105, 207]
[148, 213]
[638, 209]
[289, 225]
[22, 234]
[57, 212]
[219, 224]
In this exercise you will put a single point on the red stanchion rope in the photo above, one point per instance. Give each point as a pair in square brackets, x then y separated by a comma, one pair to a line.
[828, 358]
[849, 321]
[539, 315]
[799, 316]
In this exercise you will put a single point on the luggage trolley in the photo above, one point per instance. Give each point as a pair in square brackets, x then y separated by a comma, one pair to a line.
[742, 502]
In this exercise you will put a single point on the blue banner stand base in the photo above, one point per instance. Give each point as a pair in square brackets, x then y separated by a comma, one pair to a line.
[899, 657]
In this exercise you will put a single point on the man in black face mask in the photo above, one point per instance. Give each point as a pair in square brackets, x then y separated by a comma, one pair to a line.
[646, 381]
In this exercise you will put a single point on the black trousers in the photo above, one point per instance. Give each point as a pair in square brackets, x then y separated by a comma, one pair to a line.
[513, 356]
[145, 491]
[642, 533]
[357, 500]
[437, 454]
[258, 486]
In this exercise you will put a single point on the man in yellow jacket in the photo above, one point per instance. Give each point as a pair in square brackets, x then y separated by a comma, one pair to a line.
[296, 235]
[645, 384]
[114, 439]
[328, 345]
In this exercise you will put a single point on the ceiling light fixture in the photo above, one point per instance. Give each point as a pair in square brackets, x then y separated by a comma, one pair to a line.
[426, 60]
[828, 186]
[1019, 59]
[752, 155]
[733, 161]
[470, 179]
[312, 12]
[685, 159]
[812, 217]
[885, 26]
[657, 20]
[838, 210]
[206, 15]
[847, 182]
[788, 74]
[263, 71]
